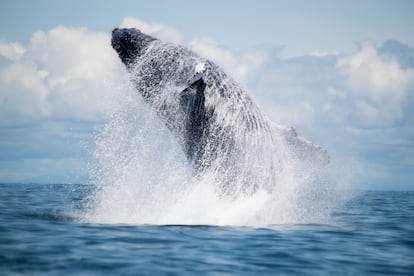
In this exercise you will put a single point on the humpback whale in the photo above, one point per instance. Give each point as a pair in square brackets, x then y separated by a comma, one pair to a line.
[222, 131]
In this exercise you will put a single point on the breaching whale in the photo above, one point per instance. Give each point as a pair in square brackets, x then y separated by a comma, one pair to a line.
[222, 131]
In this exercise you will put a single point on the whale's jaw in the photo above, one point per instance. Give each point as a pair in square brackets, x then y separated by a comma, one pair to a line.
[130, 44]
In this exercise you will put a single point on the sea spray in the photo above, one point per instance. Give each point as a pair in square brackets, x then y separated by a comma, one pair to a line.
[252, 173]
[142, 176]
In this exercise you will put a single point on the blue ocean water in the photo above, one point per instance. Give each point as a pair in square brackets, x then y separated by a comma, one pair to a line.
[40, 234]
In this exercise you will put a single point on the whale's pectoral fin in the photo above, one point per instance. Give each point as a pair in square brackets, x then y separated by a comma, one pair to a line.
[192, 97]
[192, 101]
[302, 148]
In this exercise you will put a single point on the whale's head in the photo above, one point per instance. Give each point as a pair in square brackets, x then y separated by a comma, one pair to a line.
[130, 44]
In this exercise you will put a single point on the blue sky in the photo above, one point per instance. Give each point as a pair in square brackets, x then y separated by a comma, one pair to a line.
[341, 72]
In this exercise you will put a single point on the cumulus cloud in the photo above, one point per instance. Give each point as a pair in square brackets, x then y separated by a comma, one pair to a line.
[377, 84]
[12, 51]
[64, 73]
[210, 49]
[242, 66]
[24, 94]
[157, 30]
[318, 53]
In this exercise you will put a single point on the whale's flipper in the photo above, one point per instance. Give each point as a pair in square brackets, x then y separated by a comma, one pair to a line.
[303, 149]
[192, 101]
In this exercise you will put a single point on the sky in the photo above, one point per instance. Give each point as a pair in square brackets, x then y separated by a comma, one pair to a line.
[340, 72]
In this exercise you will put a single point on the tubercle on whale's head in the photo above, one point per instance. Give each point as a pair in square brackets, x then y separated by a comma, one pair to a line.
[129, 44]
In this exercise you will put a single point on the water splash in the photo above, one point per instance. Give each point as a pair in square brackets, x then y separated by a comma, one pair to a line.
[256, 173]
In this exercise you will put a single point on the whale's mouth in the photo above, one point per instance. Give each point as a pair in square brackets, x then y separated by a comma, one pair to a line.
[129, 43]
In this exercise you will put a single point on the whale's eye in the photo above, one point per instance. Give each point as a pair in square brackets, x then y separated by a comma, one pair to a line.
[117, 47]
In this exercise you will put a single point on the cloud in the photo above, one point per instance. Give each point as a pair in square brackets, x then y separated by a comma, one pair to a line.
[378, 85]
[65, 73]
[12, 51]
[240, 66]
[210, 49]
[323, 54]
[157, 30]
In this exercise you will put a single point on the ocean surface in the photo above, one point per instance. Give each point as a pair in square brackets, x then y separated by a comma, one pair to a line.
[40, 234]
